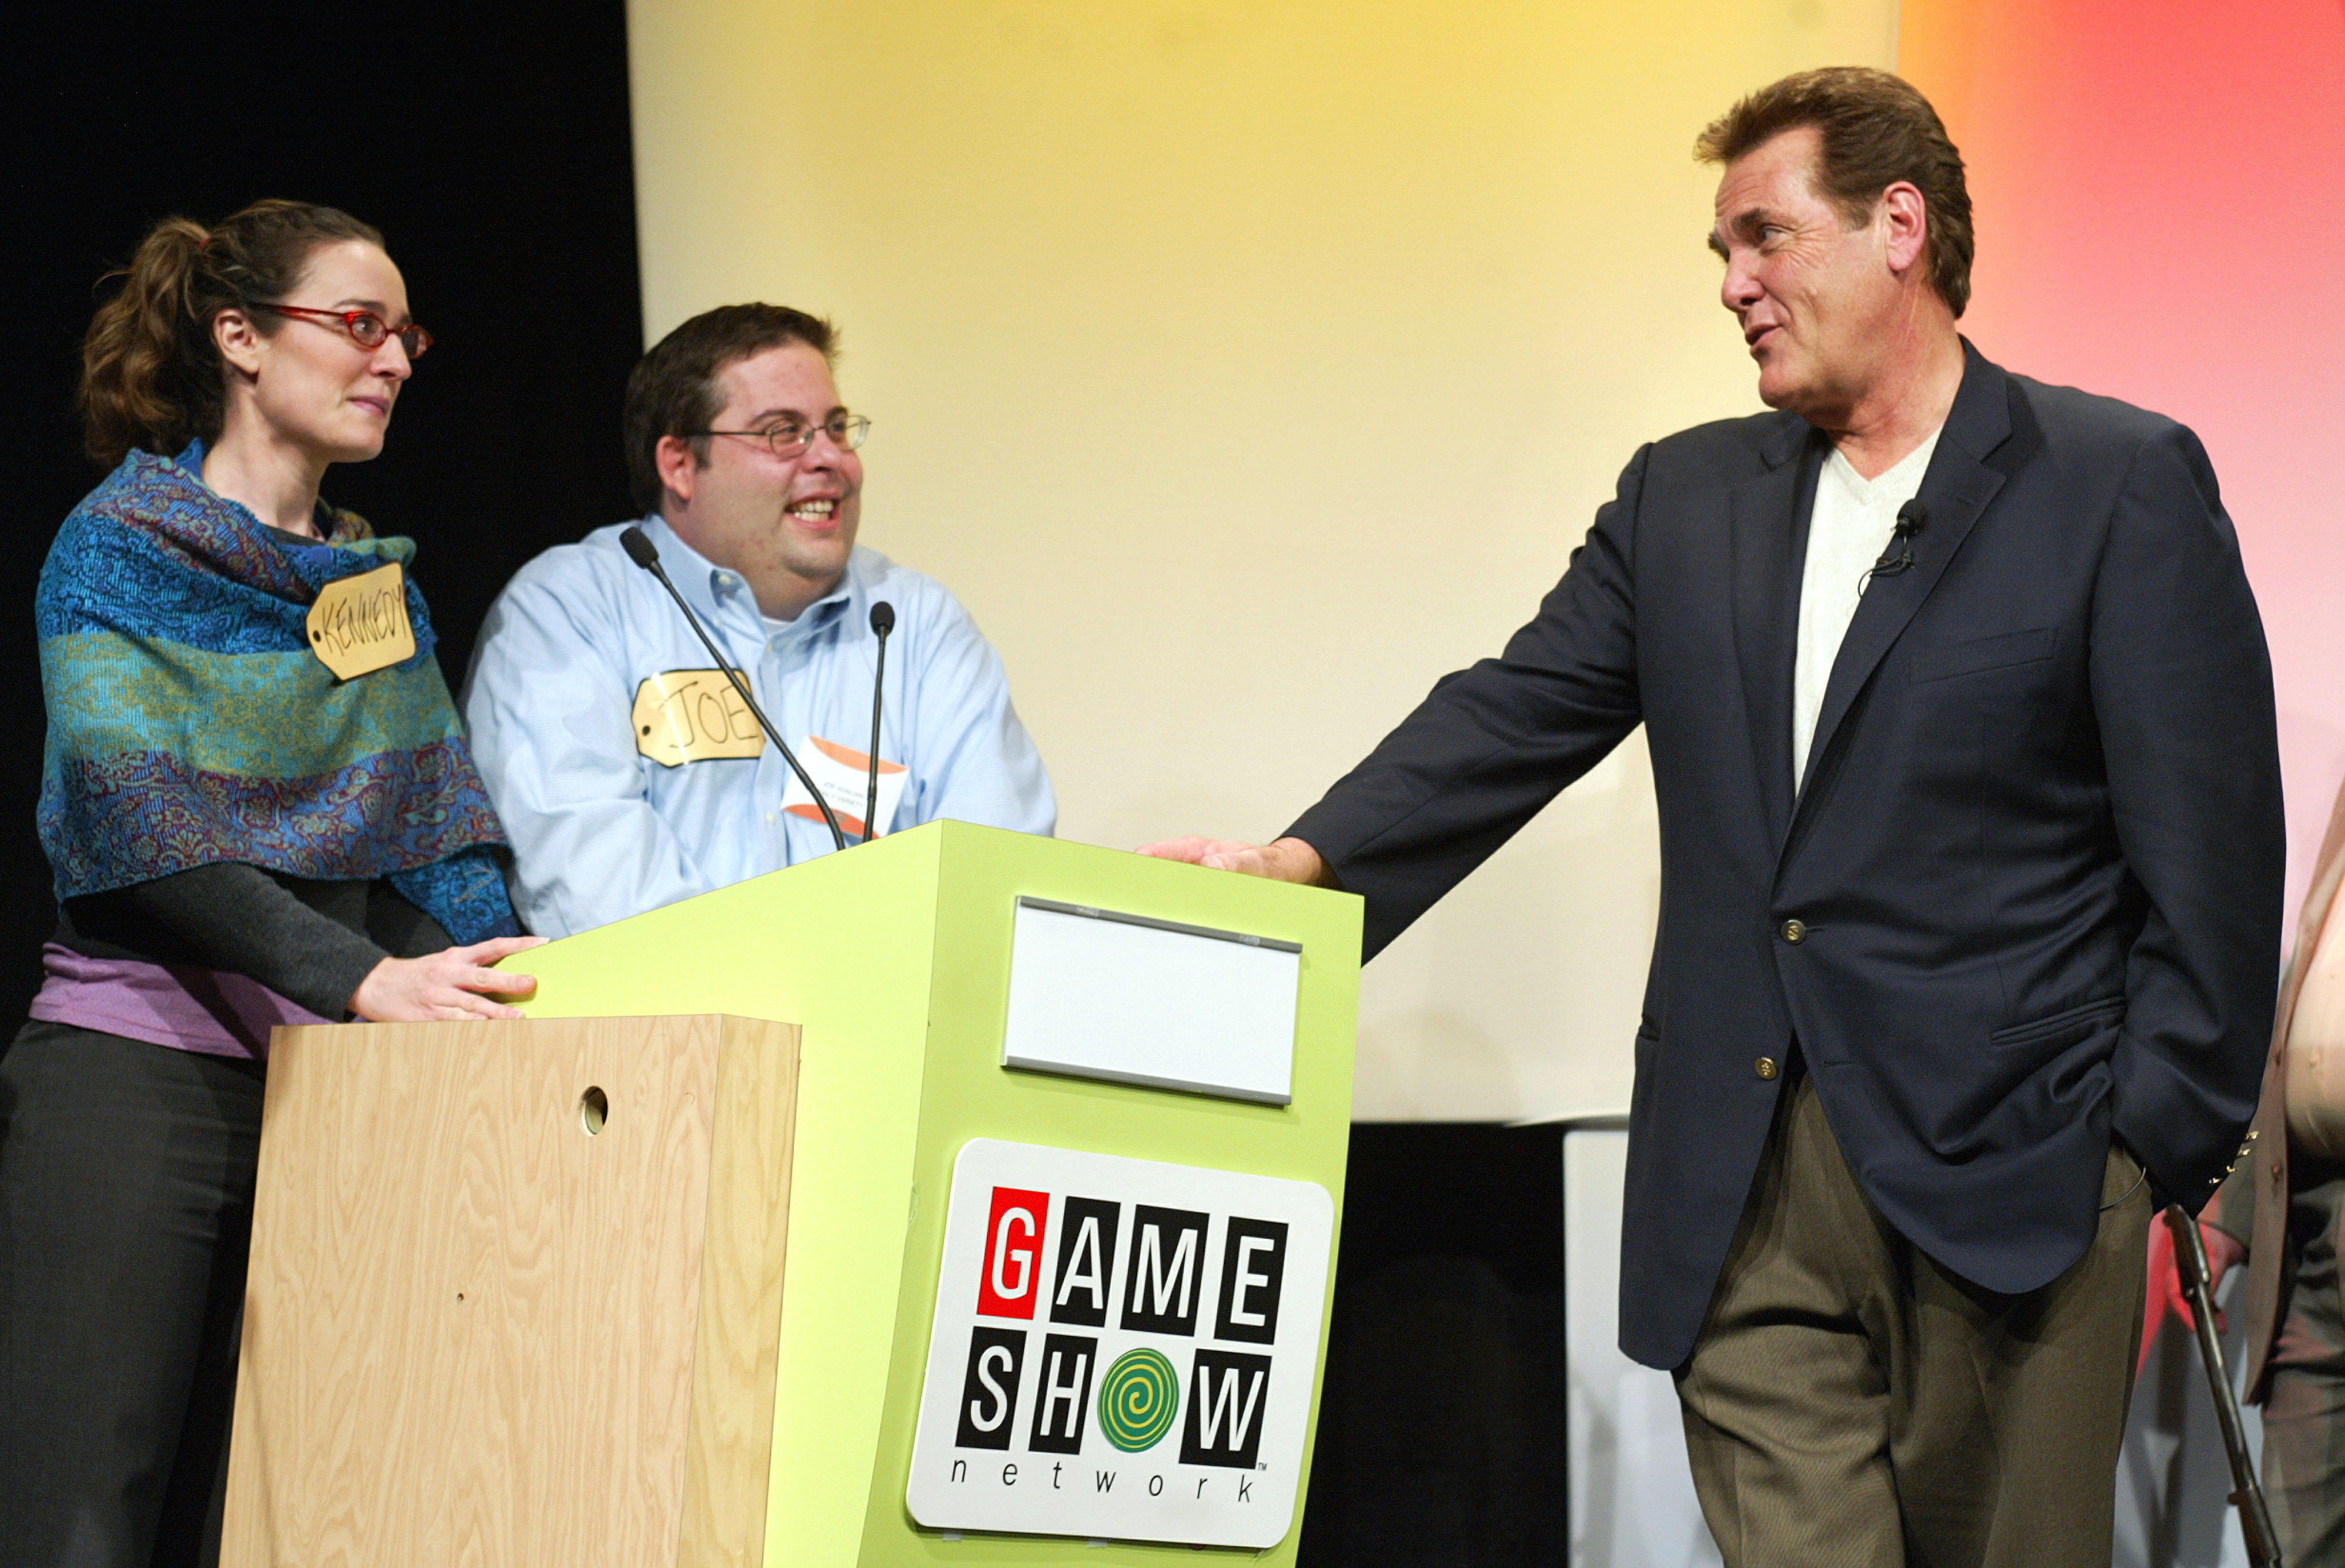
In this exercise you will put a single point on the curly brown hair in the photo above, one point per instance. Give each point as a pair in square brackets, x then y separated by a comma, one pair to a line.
[151, 375]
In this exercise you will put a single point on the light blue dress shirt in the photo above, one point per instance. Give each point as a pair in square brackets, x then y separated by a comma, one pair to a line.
[601, 831]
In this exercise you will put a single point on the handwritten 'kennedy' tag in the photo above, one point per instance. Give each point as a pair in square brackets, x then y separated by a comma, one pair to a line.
[693, 716]
[359, 624]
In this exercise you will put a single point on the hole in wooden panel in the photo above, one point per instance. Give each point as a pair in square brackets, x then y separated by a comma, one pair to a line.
[594, 1110]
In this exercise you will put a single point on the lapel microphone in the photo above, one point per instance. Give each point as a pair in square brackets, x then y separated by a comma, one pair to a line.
[646, 554]
[1911, 519]
[883, 620]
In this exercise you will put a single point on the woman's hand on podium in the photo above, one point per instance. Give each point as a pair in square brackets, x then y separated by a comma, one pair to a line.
[1287, 860]
[448, 985]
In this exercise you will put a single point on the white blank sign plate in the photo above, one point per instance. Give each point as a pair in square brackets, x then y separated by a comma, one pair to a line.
[1101, 995]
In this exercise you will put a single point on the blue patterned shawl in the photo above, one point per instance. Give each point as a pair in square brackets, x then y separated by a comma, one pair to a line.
[190, 724]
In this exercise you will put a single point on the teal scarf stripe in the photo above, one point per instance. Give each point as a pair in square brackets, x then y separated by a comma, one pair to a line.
[257, 715]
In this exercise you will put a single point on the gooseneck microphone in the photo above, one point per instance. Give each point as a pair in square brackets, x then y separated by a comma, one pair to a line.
[1911, 519]
[646, 554]
[883, 620]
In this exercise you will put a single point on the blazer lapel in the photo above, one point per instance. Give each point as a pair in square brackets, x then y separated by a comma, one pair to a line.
[1768, 524]
[1956, 489]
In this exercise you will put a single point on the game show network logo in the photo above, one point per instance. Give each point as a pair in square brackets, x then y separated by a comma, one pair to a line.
[1097, 1303]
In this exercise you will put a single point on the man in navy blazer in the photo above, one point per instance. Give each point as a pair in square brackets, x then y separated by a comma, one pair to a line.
[1962, 730]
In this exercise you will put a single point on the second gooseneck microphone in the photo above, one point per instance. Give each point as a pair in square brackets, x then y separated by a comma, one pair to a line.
[883, 620]
[646, 554]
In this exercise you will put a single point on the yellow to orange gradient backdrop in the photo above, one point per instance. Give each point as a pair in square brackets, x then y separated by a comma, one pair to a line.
[1246, 367]
[2160, 187]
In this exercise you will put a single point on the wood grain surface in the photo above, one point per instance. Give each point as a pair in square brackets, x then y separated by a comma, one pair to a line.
[476, 1332]
[730, 1440]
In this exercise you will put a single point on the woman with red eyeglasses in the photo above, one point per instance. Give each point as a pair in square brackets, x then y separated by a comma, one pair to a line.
[259, 808]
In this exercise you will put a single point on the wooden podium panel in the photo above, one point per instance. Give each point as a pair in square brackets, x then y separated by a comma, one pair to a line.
[515, 1295]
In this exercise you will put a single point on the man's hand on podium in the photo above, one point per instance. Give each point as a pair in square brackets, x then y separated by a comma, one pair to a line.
[444, 985]
[1288, 860]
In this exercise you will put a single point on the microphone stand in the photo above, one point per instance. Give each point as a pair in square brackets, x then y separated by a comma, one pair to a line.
[2247, 1493]
[646, 554]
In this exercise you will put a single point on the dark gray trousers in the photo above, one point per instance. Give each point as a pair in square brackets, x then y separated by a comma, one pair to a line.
[1852, 1404]
[125, 1218]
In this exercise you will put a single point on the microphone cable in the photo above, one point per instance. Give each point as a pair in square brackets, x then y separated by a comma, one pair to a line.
[1911, 519]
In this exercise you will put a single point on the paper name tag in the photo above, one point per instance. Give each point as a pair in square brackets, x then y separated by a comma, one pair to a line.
[359, 624]
[844, 775]
[694, 716]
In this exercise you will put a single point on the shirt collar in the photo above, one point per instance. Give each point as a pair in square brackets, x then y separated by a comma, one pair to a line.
[718, 594]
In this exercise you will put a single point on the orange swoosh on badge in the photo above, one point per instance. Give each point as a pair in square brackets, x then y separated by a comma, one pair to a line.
[852, 758]
[844, 775]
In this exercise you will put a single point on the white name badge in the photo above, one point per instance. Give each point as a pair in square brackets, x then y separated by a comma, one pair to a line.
[359, 624]
[844, 775]
[1122, 1348]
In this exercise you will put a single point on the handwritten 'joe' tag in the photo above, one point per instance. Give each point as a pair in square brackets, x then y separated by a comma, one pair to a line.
[694, 716]
[359, 624]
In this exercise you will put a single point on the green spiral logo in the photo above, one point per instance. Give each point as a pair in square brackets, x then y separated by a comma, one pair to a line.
[1138, 1399]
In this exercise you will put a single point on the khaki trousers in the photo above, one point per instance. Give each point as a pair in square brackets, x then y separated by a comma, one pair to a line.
[1852, 1404]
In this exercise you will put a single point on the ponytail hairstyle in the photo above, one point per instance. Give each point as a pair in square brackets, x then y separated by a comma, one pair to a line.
[151, 375]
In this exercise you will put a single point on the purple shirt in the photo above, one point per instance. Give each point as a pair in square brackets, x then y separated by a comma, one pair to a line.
[183, 1006]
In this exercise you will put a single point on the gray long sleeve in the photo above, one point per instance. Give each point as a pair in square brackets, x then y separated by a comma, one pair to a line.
[311, 942]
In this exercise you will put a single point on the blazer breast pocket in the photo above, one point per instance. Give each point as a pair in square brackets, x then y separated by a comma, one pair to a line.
[1977, 655]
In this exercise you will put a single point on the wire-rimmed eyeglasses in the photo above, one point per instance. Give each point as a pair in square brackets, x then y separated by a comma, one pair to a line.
[788, 437]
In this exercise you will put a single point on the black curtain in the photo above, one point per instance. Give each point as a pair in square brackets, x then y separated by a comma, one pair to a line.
[489, 143]
[1441, 1421]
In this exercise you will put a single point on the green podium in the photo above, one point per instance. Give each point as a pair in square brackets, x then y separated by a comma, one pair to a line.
[894, 960]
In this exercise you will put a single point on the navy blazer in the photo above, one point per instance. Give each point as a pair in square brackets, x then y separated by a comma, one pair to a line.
[2027, 894]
